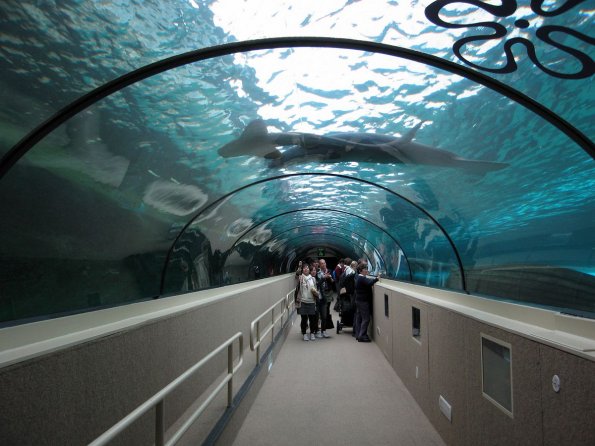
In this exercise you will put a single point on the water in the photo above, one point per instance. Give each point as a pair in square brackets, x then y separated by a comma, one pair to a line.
[113, 187]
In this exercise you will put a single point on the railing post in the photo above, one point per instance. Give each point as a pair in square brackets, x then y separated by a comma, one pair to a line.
[159, 424]
[258, 342]
[286, 307]
[273, 325]
[230, 372]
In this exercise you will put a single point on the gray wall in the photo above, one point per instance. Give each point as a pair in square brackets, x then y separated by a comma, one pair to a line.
[72, 396]
[447, 356]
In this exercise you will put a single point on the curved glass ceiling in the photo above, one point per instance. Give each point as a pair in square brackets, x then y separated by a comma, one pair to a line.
[201, 170]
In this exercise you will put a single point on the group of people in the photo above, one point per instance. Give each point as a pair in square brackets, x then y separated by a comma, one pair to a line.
[315, 291]
[316, 287]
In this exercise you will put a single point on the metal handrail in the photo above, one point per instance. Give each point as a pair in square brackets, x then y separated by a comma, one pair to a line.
[157, 399]
[256, 336]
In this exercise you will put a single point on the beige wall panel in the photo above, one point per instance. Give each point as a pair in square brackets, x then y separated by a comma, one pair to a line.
[448, 358]
[448, 374]
[74, 395]
[382, 324]
[487, 424]
[97, 384]
[410, 355]
[569, 415]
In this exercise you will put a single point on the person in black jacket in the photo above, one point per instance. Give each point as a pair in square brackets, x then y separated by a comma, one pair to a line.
[363, 301]
[325, 283]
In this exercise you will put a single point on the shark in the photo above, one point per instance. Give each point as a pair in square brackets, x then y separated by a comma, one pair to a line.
[256, 140]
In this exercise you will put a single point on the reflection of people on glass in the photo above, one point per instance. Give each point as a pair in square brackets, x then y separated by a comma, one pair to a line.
[256, 270]
[190, 281]
[363, 300]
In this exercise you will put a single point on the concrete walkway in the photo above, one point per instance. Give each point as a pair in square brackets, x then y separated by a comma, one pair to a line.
[334, 391]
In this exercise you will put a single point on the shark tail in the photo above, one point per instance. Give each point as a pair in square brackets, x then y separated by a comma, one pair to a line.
[254, 140]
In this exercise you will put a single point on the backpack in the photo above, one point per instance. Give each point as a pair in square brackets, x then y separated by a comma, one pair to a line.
[348, 282]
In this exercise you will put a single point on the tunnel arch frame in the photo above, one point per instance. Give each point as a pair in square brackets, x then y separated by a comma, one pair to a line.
[14, 154]
[325, 209]
[276, 236]
[329, 210]
[342, 237]
[85, 101]
[227, 196]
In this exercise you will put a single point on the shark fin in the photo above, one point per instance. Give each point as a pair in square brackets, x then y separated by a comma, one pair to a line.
[257, 129]
[411, 133]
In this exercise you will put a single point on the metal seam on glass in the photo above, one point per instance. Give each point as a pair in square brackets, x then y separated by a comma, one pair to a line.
[333, 235]
[360, 248]
[342, 238]
[166, 263]
[277, 177]
[228, 195]
[452, 245]
[293, 211]
[25, 144]
[307, 226]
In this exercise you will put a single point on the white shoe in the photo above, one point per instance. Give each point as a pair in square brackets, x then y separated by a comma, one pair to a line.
[318, 334]
[306, 337]
[312, 337]
[324, 335]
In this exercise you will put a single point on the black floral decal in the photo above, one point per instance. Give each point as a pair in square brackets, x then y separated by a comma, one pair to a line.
[543, 33]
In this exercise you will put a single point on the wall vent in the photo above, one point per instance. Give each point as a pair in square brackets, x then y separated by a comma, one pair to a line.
[445, 408]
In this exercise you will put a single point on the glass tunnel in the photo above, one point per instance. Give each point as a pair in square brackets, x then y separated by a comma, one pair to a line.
[161, 147]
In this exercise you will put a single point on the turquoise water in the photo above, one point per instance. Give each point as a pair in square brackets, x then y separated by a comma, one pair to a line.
[108, 194]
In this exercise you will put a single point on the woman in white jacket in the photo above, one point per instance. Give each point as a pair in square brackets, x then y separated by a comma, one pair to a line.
[307, 303]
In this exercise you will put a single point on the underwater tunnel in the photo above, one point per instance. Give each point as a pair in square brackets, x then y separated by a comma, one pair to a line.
[107, 209]
[161, 148]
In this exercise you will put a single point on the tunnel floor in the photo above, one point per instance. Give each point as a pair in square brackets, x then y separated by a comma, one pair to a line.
[334, 391]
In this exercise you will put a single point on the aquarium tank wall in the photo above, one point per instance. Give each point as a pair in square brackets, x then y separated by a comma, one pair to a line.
[153, 148]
